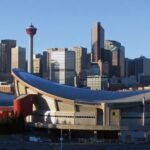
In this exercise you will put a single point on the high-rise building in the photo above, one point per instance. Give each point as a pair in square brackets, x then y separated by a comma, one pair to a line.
[117, 58]
[5, 55]
[129, 67]
[18, 58]
[45, 65]
[61, 65]
[37, 66]
[139, 67]
[80, 65]
[93, 79]
[94, 82]
[97, 43]
[89, 60]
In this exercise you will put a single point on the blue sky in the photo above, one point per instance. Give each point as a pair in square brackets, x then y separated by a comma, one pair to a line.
[68, 23]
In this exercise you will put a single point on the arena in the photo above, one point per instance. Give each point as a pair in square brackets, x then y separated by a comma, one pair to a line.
[54, 106]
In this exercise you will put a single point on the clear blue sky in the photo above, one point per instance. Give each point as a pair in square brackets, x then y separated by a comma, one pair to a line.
[68, 23]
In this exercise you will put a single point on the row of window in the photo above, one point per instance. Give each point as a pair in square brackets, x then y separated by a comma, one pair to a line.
[68, 116]
[132, 117]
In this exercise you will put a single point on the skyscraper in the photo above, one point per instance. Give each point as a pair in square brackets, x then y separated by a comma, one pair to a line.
[97, 43]
[80, 64]
[117, 58]
[38, 64]
[18, 58]
[45, 65]
[31, 31]
[5, 55]
[138, 66]
[37, 67]
[61, 65]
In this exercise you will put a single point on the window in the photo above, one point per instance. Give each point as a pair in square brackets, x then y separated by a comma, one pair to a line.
[113, 113]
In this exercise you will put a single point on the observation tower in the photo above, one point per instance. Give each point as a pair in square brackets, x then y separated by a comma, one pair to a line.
[31, 31]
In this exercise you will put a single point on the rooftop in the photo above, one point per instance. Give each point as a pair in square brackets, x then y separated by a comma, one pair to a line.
[77, 94]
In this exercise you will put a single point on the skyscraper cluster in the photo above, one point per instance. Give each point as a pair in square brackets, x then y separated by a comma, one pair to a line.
[104, 68]
[73, 66]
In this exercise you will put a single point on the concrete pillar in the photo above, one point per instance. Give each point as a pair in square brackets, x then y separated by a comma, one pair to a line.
[106, 114]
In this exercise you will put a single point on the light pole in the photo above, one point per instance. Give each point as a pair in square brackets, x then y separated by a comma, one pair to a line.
[69, 135]
[95, 135]
[143, 120]
[61, 139]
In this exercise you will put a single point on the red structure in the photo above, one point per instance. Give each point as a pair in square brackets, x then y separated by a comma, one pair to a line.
[31, 30]
[23, 105]
[6, 111]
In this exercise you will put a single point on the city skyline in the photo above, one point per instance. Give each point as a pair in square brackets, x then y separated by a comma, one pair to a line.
[69, 23]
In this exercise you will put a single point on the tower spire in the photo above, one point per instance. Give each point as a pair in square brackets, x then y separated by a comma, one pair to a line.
[31, 31]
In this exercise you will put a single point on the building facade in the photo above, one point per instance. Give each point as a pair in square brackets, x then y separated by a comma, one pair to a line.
[94, 82]
[97, 43]
[80, 65]
[93, 79]
[139, 67]
[45, 66]
[18, 58]
[117, 58]
[37, 66]
[61, 65]
[5, 55]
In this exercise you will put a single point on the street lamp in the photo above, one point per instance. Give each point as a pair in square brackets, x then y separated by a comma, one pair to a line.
[61, 139]
[143, 120]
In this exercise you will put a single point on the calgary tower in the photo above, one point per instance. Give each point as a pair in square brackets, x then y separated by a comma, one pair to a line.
[31, 31]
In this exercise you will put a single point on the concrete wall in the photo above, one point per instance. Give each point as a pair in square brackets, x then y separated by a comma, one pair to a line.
[62, 106]
[50, 101]
[21, 89]
[115, 117]
[85, 118]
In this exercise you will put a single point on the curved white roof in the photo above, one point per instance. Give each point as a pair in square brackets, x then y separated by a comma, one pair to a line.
[77, 94]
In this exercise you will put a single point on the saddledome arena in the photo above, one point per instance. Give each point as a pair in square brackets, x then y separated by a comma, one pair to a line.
[46, 104]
